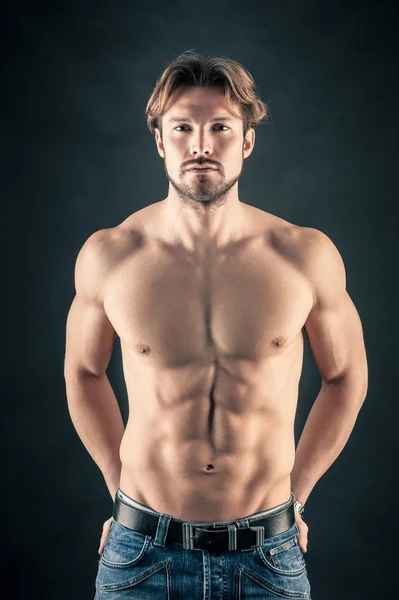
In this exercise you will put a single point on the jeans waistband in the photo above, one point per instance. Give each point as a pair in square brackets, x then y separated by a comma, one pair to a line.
[263, 513]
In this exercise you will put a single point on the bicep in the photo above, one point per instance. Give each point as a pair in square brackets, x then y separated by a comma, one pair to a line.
[335, 337]
[333, 327]
[89, 333]
[89, 338]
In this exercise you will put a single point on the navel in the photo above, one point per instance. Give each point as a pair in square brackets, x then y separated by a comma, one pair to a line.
[210, 467]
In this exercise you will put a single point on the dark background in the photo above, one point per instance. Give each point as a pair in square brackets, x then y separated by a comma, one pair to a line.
[77, 157]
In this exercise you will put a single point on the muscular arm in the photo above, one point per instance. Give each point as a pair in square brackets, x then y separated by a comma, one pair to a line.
[89, 341]
[335, 336]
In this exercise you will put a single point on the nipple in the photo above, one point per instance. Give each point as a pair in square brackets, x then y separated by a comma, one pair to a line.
[143, 348]
[278, 341]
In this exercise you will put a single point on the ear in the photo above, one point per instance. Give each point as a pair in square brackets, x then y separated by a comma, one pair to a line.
[249, 142]
[159, 143]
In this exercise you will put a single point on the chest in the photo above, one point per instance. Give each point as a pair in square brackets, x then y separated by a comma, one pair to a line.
[243, 304]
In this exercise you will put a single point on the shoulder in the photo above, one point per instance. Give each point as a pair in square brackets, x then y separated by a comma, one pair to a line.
[324, 267]
[102, 253]
[93, 262]
[321, 263]
[315, 255]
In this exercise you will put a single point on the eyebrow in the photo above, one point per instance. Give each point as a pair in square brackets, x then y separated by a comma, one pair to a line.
[188, 120]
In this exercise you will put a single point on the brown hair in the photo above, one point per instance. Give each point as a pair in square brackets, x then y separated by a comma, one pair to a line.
[191, 69]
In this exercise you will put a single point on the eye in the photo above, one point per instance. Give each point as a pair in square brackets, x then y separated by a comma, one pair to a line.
[222, 126]
[219, 125]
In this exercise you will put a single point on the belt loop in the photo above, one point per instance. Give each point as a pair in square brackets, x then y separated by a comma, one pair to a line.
[162, 530]
[241, 523]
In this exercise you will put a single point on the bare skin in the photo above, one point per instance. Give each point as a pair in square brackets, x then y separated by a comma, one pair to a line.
[212, 349]
[209, 297]
[212, 353]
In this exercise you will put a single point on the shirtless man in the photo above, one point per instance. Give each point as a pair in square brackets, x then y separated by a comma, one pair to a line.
[209, 297]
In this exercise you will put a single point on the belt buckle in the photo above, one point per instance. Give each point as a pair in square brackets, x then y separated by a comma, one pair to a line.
[189, 538]
[260, 535]
[232, 537]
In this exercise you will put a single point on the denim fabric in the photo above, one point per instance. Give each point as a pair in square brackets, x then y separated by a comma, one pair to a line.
[134, 565]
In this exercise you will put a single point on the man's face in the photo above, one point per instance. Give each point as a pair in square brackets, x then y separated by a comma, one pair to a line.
[206, 132]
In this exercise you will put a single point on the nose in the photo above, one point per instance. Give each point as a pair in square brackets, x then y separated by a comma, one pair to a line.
[200, 146]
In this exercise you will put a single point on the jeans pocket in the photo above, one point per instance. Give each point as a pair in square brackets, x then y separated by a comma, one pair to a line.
[124, 547]
[285, 558]
[274, 571]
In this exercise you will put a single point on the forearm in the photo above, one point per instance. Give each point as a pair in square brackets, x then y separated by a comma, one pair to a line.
[326, 431]
[97, 419]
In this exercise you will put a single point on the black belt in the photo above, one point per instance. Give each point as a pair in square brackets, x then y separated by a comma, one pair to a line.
[208, 537]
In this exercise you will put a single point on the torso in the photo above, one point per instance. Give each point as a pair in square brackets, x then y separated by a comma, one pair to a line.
[212, 350]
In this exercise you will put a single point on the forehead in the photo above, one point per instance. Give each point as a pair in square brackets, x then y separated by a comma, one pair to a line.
[199, 103]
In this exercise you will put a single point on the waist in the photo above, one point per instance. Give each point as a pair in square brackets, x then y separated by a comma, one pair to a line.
[259, 514]
[205, 497]
[243, 533]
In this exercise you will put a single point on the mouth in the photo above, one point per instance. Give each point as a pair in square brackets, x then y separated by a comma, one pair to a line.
[202, 169]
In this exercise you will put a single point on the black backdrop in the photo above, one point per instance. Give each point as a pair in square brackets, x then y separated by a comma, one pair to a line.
[77, 156]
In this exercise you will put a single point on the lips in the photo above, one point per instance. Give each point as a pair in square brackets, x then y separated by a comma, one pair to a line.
[201, 169]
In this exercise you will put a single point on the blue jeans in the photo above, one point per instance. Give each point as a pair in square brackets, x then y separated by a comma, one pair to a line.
[134, 565]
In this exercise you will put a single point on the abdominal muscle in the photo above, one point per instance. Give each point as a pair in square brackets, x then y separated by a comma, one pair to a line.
[175, 464]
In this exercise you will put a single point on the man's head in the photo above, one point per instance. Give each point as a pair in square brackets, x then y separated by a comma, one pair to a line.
[203, 111]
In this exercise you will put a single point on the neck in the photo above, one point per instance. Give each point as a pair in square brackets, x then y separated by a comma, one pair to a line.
[192, 224]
